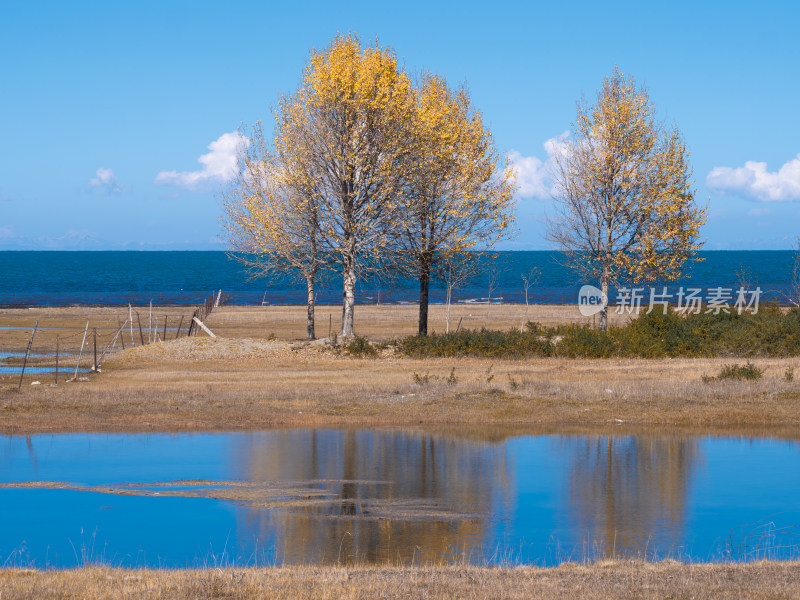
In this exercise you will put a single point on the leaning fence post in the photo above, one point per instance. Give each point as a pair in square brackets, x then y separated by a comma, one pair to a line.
[177, 333]
[206, 329]
[27, 353]
[94, 334]
[120, 333]
[78, 364]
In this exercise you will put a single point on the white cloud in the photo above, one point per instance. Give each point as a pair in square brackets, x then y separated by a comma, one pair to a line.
[755, 182]
[106, 180]
[219, 165]
[534, 175]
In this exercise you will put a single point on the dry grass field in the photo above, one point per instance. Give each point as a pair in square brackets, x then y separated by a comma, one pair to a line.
[608, 579]
[257, 375]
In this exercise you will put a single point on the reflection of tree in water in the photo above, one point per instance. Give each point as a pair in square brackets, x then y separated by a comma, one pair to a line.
[627, 494]
[447, 471]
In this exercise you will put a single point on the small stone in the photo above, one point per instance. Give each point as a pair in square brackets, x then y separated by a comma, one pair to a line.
[35, 383]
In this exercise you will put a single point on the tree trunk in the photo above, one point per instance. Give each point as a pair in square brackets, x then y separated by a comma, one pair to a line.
[449, 295]
[349, 298]
[603, 321]
[310, 333]
[424, 289]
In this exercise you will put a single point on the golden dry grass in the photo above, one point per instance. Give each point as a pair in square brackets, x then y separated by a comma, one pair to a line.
[378, 322]
[608, 579]
[247, 381]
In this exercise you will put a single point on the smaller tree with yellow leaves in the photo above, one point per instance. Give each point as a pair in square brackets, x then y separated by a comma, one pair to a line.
[271, 217]
[623, 191]
[458, 192]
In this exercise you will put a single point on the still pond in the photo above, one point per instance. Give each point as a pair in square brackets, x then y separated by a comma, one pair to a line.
[330, 496]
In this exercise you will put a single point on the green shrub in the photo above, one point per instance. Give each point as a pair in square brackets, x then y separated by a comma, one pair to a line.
[657, 335]
[583, 342]
[771, 332]
[360, 347]
[484, 342]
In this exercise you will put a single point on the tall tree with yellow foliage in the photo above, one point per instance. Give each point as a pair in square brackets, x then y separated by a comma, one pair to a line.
[342, 137]
[458, 193]
[623, 191]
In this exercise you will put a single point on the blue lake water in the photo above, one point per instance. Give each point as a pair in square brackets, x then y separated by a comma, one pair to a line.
[16, 367]
[396, 496]
[55, 278]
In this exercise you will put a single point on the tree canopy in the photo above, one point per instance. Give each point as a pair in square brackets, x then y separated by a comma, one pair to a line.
[623, 191]
[368, 172]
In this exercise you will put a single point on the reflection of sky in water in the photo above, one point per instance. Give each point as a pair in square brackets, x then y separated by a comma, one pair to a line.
[543, 499]
[17, 368]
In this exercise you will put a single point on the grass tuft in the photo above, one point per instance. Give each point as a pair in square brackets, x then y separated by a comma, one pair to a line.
[746, 372]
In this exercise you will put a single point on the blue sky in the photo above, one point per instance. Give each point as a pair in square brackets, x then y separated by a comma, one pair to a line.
[106, 107]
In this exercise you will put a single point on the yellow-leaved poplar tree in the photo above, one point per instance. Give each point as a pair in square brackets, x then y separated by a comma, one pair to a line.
[458, 192]
[623, 191]
[343, 132]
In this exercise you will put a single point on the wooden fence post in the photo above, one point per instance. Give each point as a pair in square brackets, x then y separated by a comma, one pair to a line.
[141, 335]
[94, 332]
[130, 318]
[57, 341]
[27, 353]
[177, 333]
[203, 326]
[80, 354]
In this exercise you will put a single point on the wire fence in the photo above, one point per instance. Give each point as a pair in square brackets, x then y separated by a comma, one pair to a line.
[70, 353]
